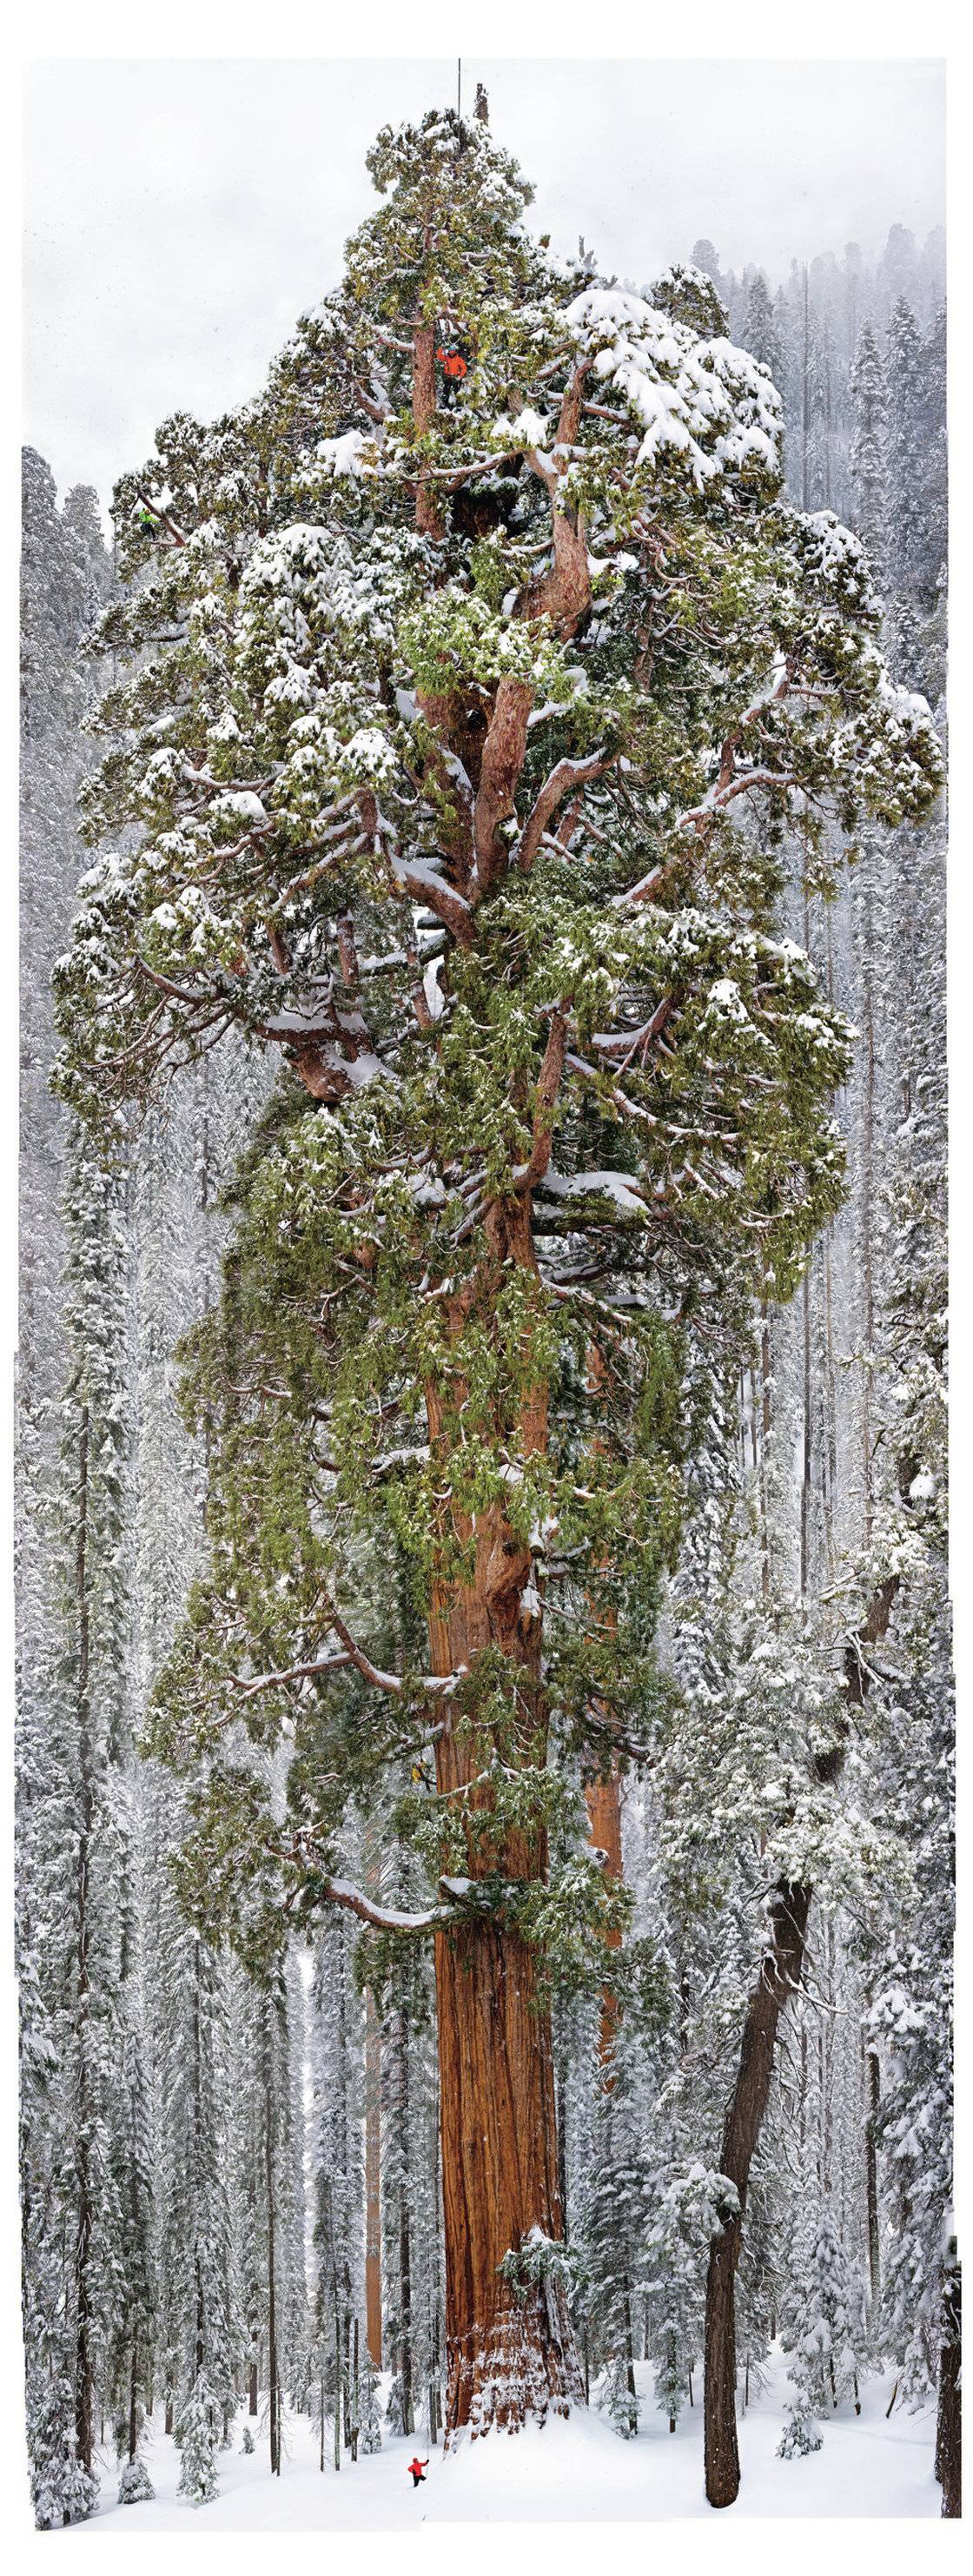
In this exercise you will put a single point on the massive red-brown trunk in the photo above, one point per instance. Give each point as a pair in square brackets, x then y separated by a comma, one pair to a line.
[510, 2348]
[603, 1801]
[429, 520]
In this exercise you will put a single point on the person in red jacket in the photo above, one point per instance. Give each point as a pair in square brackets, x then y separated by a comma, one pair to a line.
[417, 2471]
[453, 365]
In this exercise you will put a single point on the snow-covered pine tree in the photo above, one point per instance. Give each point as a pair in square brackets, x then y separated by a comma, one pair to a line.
[824, 2323]
[436, 788]
[76, 2170]
[760, 332]
[337, 2175]
[64, 575]
[133, 2308]
[200, 2332]
[867, 458]
[613, 2246]
[912, 2007]
[411, 2208]
[907, 429]
[198, 2432]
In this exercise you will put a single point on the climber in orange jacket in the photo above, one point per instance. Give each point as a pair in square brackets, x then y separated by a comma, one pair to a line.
[454, 368]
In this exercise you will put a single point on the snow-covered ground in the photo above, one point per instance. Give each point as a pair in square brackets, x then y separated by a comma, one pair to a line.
[565, 2473]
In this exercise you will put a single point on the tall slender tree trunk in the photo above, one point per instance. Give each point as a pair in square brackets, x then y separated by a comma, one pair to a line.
[84, 2350]
[373, 2181]
[806, 1457]
[949, 2456]
[765, 1429]
[337, 2374]
[805, 397]
[779, 1979]
[405, 2242]
[274, 2394]
[868, 1177]
[873, 2079]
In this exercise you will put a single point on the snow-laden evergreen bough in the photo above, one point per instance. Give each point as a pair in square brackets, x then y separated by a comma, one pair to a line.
[441, 721]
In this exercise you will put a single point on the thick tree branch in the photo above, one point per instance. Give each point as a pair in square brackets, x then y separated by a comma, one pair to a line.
[568, 774]
[548, 1086]
[503, 760]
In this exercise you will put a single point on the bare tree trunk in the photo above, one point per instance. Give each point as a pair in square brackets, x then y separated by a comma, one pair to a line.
[949, 2455]
[405, 2247]
[873, 2075]
[806, 1440]
[274, 2393]
[868, 1173]
[779, 1978]
[337, 2375]
[805, 398]
[373, 2180]
[84, 2350]
[765, 1426]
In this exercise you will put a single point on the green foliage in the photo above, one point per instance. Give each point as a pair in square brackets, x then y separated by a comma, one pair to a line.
[396, 801]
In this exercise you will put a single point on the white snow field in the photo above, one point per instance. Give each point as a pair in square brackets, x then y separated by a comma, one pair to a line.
[572, 2472]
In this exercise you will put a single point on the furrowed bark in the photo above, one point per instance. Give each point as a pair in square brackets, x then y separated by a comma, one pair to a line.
[604, 1805]
[603, 1801]
[509, 2347]
[428, 513]
[564, 592]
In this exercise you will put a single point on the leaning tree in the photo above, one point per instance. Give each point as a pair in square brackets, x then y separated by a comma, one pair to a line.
[465, 720]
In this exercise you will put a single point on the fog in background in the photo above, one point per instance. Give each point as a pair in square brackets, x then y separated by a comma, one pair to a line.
[180, 215]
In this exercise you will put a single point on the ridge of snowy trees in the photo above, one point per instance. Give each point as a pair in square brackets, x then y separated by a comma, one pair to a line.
[648, 1637]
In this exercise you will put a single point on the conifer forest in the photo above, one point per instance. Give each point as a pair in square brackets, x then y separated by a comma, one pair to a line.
[484, 1787]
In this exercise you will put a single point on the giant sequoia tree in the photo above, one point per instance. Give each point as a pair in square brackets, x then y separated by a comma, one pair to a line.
[465, 722]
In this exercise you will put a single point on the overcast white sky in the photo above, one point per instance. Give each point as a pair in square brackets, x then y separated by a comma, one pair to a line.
[179, 215]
